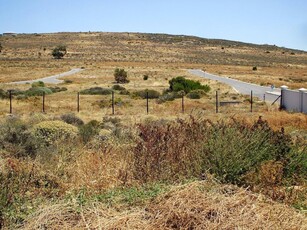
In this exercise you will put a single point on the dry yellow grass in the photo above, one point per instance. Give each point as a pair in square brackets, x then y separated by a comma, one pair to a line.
[196, 205]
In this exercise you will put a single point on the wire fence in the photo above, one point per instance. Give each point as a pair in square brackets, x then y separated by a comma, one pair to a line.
[118, 104]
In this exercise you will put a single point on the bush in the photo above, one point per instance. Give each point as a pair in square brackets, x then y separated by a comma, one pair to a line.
[170, 96]
[195, 94]
[3, 94]
[145, 77]
[38, 84]
[50, 131]
[96, 91]
[57, 89]
[254, 68]
[59, 52]
[180, 83]
[124, 92]
[143, 94]
[89, 130]
[16, 138]
[121, 76]
[118, 88]
[232, 150]
[72, 119]
[37, 91]
[169, 150]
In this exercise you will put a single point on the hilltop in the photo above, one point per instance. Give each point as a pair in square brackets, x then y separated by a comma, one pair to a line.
[141, 47]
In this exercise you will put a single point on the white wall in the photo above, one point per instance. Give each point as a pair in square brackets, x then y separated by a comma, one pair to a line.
[291, 100]
[304, 110]
[294, 101]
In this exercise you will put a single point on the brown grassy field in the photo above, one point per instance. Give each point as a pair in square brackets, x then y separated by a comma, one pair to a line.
[134, 170]
[28, 55]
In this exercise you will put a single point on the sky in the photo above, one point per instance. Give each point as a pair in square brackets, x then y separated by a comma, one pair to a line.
[275, 22]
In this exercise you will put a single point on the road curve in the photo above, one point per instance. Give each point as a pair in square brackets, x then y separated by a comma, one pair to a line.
[51, 79]
[242, 87]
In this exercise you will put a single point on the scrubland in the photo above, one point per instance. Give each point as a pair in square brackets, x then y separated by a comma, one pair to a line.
[168, 169]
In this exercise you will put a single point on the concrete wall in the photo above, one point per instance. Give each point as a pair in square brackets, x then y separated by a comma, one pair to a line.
[294, 101]
[304, 102]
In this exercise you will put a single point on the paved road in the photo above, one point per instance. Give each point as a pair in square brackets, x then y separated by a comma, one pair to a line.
[51, 79]
[242, 87]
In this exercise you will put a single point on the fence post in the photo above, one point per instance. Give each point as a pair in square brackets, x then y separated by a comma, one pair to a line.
[78, 102]
[11, 107]
[147, 103]
[216, 102]
[43, 102]
[251, 101]
[182, 104]
[113, 111]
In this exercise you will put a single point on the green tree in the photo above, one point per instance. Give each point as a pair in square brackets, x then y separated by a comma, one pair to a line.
[0, 47]
[59, 52]
[180, 83]
[121, 76]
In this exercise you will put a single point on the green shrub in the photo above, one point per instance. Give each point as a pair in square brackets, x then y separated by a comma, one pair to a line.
[145, 77]
[118, 87]
[37, 91]
[121, 76]
[72, 119]
[254, 68]
[96, 91]
[38, 84]
[232, 150]
[50, 131]
[89, 130]
[296, 166]
[143, 94]
[180, 83]
[3, 94]
[16, 138]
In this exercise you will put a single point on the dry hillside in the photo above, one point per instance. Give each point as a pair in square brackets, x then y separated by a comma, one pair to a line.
[275, 64]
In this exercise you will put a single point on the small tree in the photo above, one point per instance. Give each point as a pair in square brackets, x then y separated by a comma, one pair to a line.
[0, 47]
[59, 52]
[121, 76]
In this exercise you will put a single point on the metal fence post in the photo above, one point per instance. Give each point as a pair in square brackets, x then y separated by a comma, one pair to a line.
[11, 106]
[251, 101]
[78, 102]
[216, 102]
[147, 103]
[43, 102]
[113, 111]
[182, 104]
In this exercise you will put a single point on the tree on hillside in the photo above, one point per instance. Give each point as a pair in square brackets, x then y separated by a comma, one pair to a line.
[121, 76]
[0, 47]
[59, 52]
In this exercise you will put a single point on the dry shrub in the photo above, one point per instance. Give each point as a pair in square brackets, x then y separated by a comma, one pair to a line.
[168, 150]
[203, 206]
[197, 205]
[271, 173]
[98, 170]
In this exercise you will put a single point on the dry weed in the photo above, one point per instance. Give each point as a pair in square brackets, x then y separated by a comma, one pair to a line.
[197, 205]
